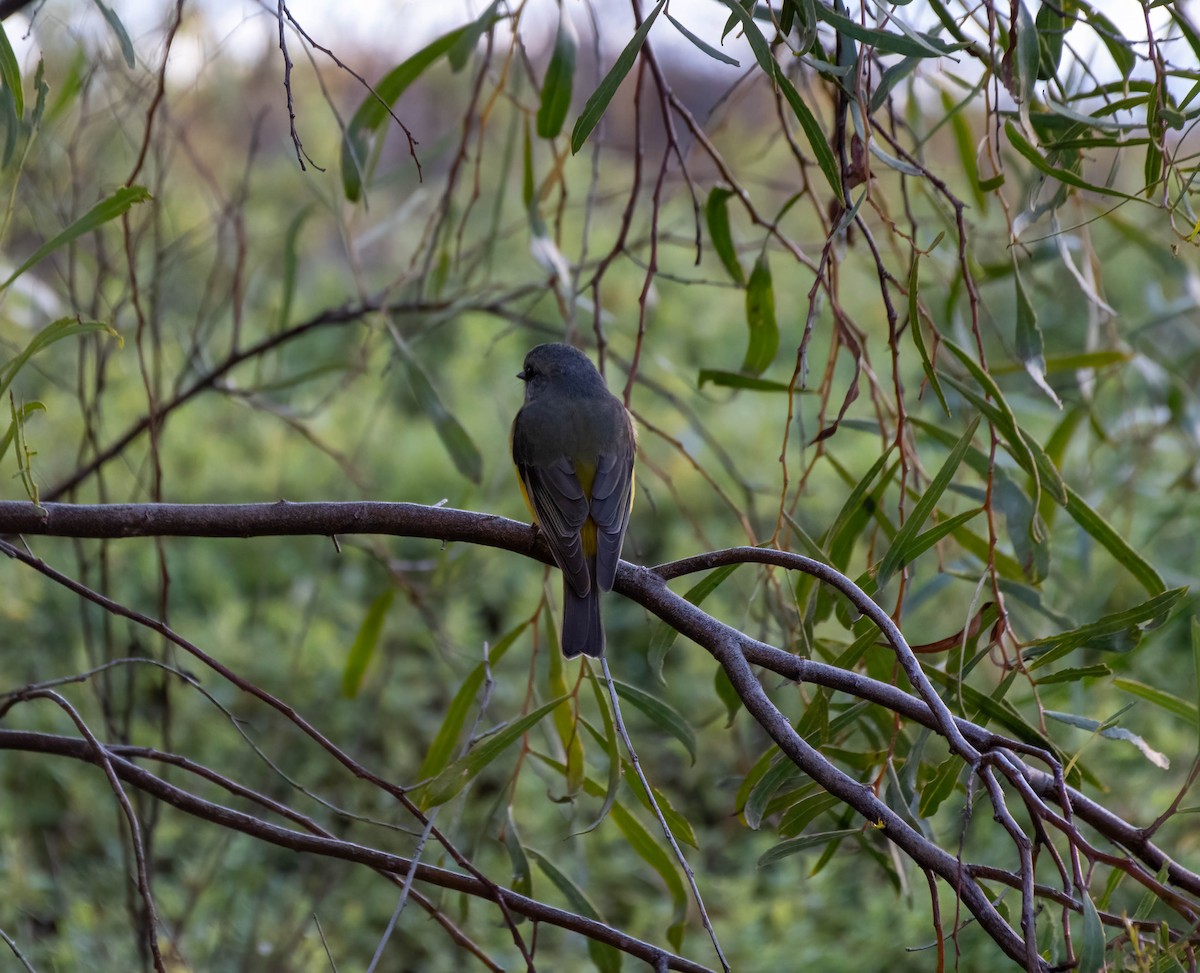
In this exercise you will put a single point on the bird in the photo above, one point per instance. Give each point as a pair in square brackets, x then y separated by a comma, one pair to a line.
[573, 445]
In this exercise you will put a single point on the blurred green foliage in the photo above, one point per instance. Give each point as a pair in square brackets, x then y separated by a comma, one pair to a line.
[507, 239]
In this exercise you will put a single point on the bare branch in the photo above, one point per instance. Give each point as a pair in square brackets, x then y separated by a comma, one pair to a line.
[329, 847]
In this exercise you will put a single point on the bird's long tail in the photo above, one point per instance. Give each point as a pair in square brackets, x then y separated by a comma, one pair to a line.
[582, 629]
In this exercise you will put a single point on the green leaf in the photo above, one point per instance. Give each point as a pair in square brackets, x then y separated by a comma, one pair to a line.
[1007, 566]
[1074, 362]
[911, 43]
[522, 876]
[1116, 632]
[726, 693]
[1168, 703]
[716, 212]
[12, 126]
[118, 29]
[795, 845]
[805, 13]
[53, 332]
[606, 958]
[1028, 54]
[466, 456]
[564, 715]
[992, 707]
[104, 211]
[457, 775]
[559, 81]
[611, 746]
[375, 109]
[1030, 350]
[1118, 47]
[940, 787]
[898, 554]
[758, 797]
[843, 532]
[760, 319]
[927, 539]
[289, 265]
[21, 415]
[992, 183]
[1092, 948]
[892, 162]
[363, 648]
[1024, 449]
[10, 73]
[766, 760]
[529, 183]
[1098, 671]
[1098, 120]
[649, 850]
[914, 327]
[890, 78]
[999, 413]
[1102, 531]
[736, 380]
[1022, 145]
[445, 743]
[813, 725]
[804, 812]
[462, 49]
[713, 52]
[812, 130]
[680, 826]
[1051, 28]
[597, 104]
[664, 716]
[1195, 629]
[754, 36]
[1153, 165]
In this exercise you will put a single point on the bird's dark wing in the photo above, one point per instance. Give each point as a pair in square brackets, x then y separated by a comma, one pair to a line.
[561, 507]
[612, 499]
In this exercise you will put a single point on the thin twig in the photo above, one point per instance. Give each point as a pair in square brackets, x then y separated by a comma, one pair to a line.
[666, 828]
[16, 951]
[349, 851]
[287, 711]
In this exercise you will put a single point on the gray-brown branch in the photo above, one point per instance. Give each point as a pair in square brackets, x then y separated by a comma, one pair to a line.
[731, 648]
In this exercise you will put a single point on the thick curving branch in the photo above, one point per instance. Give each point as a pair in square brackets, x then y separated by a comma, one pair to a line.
[1051, 804]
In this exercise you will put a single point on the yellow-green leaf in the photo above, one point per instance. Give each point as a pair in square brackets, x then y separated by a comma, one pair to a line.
[817, 139]
[362, 650]
[760, 319]
[376, 106]
[559, 81]
[899, 553]
[55, 331]
[445, 743]
[455, 777]
[597, 104]
[104, 211]
[462, 449]
[716, 213]
[10, 73]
